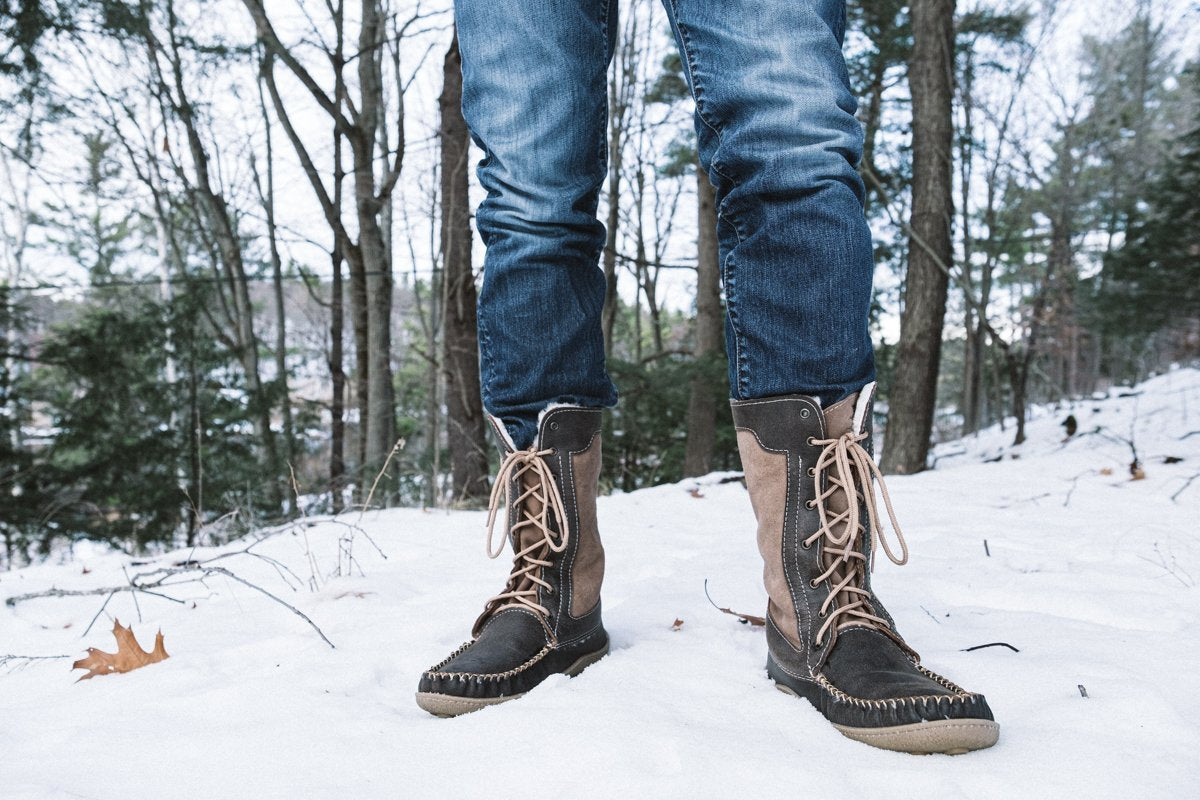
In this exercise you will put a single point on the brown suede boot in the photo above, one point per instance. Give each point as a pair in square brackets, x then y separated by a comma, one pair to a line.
[829, 639]
[547, 619]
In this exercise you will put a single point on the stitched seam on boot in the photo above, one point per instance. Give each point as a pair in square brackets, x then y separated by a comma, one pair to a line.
[461, 649]
[943, 681]
[552, 640]
[494, 675]
[437, 671]
[892, 702]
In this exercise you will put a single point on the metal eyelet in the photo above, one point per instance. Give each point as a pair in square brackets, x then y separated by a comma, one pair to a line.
[811, 441]
[553, 426]
[813, 583]
[810, 503]
[804, 413]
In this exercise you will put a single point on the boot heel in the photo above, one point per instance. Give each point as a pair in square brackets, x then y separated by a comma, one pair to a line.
[585, 661]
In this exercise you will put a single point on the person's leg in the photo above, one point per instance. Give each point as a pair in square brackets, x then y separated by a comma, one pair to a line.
[777, 133]
[534, 98]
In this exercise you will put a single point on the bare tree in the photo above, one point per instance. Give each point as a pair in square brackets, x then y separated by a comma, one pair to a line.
[165, 58]
[704, 395]
[460, 362]
[357, 120]
[914, 388]
[266, 195]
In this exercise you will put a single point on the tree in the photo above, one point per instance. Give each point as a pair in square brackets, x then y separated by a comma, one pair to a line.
[707, 386]
[930, 253]
[1153, 280]
[460, 362]
[361, 125]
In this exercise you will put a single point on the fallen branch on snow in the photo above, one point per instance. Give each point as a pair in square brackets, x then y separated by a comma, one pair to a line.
[989, 644]
[745, 619]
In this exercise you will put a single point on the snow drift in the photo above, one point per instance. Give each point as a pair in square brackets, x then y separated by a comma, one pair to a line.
[1052, 548]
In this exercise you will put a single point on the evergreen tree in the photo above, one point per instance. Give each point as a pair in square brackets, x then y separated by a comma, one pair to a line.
[1154, 278]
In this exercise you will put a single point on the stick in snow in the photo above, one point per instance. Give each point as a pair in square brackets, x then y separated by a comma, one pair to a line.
[989, 644]
[745, 619]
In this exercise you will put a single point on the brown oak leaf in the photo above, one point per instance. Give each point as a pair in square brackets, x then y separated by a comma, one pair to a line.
[129, 655]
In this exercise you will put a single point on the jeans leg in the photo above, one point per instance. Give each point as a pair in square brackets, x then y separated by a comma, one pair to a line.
[778, 136]
[535, 101]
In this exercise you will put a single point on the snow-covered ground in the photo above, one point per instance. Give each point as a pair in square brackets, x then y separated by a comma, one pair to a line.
[1091, 575]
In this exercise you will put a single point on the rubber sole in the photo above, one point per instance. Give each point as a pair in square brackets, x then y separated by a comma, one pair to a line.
[951, 737]
[448, 705]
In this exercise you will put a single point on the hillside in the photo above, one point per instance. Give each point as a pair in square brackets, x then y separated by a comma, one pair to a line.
[1050, 547]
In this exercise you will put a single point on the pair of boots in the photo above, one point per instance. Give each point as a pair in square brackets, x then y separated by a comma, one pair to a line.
[829, 640]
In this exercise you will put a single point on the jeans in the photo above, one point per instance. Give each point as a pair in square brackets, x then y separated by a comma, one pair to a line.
[779, 140]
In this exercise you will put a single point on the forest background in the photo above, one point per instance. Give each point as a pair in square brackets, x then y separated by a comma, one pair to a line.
[239, 265]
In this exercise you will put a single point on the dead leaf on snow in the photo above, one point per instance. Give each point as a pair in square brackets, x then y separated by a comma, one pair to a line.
[129, 655]
[677, 624]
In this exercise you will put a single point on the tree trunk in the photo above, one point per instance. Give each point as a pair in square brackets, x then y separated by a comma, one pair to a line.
[381, 399]
[464, 405]
[608, 314]
[872, 115]
[703, 399]
[281, 375]
[337, 369]
[1018, 378]
[914, 388]
[969, 403]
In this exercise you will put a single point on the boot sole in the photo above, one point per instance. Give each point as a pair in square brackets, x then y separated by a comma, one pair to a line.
[448, 705]
[951, 737]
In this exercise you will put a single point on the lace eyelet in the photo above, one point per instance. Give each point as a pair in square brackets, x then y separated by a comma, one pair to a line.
[810, 503]
[813, 583]
[812, 472]
[811, 441]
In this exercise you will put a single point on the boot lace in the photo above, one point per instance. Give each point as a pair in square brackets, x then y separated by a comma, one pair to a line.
[848, 468]
[538, 501]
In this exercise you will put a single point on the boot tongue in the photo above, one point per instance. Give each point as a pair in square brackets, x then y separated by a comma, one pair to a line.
[531, 507]
[839, 420]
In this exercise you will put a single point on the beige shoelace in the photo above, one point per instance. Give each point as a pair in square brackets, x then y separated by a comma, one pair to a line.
[854, 472]
[524, 581]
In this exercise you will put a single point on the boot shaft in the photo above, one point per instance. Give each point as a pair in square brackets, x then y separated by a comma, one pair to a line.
[777, 442]
[568, 442]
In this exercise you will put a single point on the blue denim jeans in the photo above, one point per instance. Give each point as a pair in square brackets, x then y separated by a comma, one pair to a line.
[779, 140]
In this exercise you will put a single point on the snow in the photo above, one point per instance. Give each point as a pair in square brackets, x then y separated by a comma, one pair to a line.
[1091, 575]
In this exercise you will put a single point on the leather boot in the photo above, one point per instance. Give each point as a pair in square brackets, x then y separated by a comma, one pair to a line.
[547, 619]
[829, 639]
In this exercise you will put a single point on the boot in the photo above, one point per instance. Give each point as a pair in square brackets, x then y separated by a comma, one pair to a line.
[547, 619]
[829, 639]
